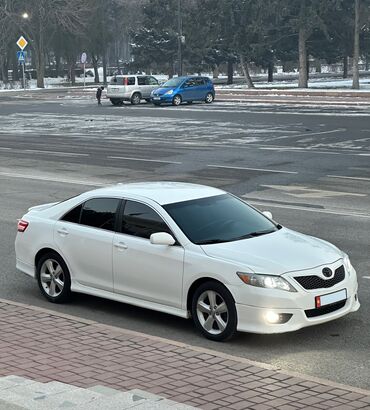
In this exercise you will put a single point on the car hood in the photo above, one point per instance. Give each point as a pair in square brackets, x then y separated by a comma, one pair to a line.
[276, 253]
[162, 90]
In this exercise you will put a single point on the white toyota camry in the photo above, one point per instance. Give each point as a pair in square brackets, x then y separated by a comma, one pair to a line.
[188, 250]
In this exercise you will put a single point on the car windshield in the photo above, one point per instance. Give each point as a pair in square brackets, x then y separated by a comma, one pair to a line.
[173, 82]
[217, 219]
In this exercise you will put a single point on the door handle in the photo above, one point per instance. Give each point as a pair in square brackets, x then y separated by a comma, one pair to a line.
[62, 231]
[120, 245]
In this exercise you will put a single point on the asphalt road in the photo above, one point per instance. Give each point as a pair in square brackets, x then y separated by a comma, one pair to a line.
[309, 164]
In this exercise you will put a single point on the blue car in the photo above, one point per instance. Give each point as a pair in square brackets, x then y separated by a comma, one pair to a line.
[184, 89]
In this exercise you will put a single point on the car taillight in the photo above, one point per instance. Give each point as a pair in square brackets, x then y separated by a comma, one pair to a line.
[22, 225]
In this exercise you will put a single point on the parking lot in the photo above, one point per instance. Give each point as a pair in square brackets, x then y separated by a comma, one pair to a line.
[306, 163]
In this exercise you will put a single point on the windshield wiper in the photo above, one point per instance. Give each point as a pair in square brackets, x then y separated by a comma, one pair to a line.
[248, 235]
[211, 241]
[259, 233]
[254, 234]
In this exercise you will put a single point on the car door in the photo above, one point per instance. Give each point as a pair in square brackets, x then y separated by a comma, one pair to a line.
[188, 90]
[152, 84]
[141, 269]
[85, 238]
[143, 86]
[200, 89]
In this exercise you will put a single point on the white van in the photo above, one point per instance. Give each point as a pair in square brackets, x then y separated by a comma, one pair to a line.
[133, 88]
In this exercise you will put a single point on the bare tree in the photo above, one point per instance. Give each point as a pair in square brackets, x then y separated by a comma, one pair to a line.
[43, 16]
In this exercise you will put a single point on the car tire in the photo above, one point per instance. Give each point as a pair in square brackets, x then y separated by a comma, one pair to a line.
[217, 322]
[116, 101]
[176, 100]
[209, 98]
[136, 98]
[53, 278]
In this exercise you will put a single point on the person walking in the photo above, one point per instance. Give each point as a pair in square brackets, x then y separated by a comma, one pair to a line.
[99, 92]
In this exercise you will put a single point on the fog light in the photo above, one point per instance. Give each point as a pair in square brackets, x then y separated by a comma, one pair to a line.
[272, 317]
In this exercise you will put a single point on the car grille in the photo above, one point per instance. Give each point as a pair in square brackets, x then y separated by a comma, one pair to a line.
[315, 282]
[325, 310]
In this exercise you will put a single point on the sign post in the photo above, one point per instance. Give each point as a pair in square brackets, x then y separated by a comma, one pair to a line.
[22, 44]
[83, 61]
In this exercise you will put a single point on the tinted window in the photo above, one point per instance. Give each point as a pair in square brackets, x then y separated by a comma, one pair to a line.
[190, 83]
[100, 213]
[128, 80]
[198, 81]
[141, 80]
[221, 218]
[73, 215]
[141, 220]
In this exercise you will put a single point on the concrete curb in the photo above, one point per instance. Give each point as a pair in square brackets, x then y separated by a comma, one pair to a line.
[118, 331]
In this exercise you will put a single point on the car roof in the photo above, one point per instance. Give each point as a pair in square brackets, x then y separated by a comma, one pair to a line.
[162, 192]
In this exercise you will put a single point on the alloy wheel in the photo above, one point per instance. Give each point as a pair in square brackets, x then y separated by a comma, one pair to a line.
[52, 278]
[212, 312]
[176, 100]
[209, 98]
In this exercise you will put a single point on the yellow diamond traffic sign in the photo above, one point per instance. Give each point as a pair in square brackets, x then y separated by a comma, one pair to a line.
[22, 43]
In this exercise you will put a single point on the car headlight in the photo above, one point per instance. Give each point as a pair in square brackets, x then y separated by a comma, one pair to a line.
[347, 263]
[266, 281]
[169, 92]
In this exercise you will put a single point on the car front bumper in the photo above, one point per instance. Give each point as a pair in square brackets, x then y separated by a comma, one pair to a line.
[165, 98]
[294, 308]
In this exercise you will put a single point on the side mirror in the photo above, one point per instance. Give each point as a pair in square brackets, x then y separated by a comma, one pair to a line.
[268, 214]
[162, 238]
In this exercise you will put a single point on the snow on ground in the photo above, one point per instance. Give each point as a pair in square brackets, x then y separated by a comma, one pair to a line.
[291, 84]
[314, 84]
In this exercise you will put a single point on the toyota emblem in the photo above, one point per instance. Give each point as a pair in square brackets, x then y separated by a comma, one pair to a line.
[327, 272]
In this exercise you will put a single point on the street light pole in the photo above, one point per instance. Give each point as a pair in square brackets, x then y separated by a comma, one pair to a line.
[179, 37]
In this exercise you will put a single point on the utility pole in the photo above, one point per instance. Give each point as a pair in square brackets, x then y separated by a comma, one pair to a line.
[356, 48]
[179, 37]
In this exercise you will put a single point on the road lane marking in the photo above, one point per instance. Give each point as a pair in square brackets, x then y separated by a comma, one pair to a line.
[52, 179]
[366, 277]
[305, 192]
[59, 153]
[344, 177]
[310, 134]
[145, 160]
[308, 150]
[4, 149]
[253, 169]
[305, 209]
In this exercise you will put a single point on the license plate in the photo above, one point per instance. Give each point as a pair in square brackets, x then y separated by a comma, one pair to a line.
[330, 298]
[156, 98]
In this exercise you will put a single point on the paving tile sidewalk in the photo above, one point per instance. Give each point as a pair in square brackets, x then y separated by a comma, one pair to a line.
[45, 346]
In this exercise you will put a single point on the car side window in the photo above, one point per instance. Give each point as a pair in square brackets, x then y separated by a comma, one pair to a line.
[199, 81]
[73, 215]
[141, 220]
[129, 81]
[141, 80]
[151, 81]
[189, 83]
[100, 213]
